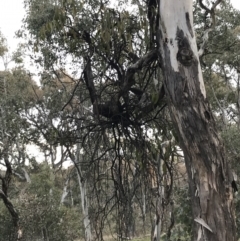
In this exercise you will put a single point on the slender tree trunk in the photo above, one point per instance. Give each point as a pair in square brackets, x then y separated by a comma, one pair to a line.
[84, 199]
[65, 191]
[208, 171]
[45, 234]
[76, 159]
[159, 203]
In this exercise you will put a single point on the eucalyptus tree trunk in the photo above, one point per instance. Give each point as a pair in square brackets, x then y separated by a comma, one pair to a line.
[208, 171]
[84, 200]
[77, 160]
[159, 203]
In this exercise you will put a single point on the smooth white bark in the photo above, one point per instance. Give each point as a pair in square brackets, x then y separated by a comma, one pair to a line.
[65, 191]
[207, 166]
[84, 199]
[173, 18]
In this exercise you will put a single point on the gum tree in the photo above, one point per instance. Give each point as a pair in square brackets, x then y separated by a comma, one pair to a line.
[208, 170]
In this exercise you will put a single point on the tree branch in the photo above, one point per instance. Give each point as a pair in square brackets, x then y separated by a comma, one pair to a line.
[8, 175]
[88, 77]
[212, 26]
[142, 62]
[132, 69]
[10, 208]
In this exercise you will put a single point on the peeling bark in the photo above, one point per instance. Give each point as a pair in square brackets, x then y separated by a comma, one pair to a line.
[207, 166]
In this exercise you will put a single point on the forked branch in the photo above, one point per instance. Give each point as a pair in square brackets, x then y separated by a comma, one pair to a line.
[210, 11]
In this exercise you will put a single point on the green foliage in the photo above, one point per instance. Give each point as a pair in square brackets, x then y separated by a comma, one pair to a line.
[183, 215]
[41, 212]
[114, 39]
[221, 58]
[6, 226]
[231, 136]
[19, 87]
[3, 45]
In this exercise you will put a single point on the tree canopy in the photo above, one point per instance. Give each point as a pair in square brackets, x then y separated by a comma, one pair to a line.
[104, 104]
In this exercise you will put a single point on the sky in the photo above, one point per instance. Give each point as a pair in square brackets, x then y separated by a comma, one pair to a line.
[12, 13]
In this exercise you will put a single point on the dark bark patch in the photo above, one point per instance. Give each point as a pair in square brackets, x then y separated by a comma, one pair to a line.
[189, 24]
[178, 88]
[175, 84]
[207, 115]
[185, 54]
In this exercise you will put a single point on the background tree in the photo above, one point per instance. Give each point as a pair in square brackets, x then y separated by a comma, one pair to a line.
[14, 131]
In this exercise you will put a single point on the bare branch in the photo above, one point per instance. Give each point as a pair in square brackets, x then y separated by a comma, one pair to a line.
[204, 7]
[88, 77]
[216, 3]
[142, 62]
[72, 95]
[8, 175]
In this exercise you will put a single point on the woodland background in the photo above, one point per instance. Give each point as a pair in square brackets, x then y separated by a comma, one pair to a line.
[118, 152]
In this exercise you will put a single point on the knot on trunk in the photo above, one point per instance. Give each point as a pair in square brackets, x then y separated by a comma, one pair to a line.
[185, 56]
[185, 53]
